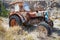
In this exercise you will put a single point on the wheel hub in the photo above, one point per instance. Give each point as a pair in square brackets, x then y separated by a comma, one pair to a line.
[13, 22]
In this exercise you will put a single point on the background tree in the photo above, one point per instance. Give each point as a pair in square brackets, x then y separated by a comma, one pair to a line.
[3, 12]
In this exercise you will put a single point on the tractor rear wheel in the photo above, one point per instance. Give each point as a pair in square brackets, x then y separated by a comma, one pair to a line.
[45, 29]
[50, 22]
[15, 21]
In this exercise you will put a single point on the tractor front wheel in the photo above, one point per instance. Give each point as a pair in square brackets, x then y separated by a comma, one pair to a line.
[15, 21]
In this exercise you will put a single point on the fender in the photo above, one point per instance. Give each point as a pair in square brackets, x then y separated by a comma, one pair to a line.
[20, 16]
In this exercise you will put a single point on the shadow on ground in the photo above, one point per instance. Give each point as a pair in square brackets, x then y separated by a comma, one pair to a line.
[57, 31]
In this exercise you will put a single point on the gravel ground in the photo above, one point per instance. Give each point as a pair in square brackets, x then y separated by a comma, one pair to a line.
[29, 36]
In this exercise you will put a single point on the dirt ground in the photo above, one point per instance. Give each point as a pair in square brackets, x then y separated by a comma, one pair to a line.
[7, 33]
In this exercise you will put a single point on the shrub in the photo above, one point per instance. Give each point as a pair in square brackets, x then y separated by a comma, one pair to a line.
[3, 12]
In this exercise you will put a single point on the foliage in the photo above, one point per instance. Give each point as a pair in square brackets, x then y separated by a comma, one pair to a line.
[3, 12]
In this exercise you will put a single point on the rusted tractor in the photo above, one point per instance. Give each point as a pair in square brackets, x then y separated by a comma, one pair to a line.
[25, 18]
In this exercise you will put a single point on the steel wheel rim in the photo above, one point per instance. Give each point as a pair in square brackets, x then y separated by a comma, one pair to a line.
[42, 31]
[13, 22]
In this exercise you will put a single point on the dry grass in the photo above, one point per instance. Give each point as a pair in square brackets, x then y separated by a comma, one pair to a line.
[17, 33]
[52, 18]
[2, 31]
[1, 27]
[29, 37]
[11, 33]
[1, 21]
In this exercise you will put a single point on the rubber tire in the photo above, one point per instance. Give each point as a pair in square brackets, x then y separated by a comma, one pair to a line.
[18, 20]
[49, 30]
[50, 22]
